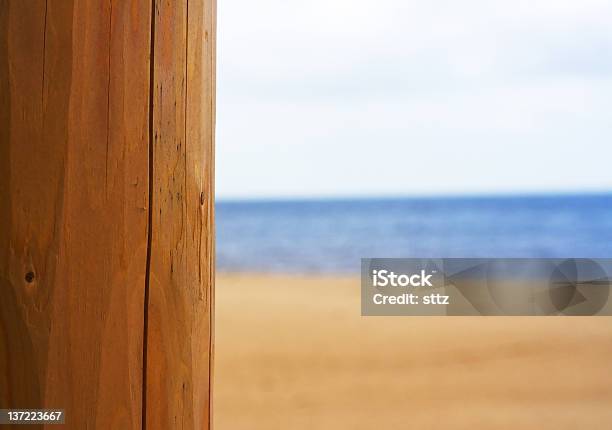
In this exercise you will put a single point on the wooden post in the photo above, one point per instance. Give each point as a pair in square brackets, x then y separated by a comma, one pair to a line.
[106, 210]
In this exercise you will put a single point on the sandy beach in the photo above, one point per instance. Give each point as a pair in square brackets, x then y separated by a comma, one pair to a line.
[294, 353]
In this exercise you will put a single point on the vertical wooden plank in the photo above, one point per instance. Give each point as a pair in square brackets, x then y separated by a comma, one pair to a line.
[201, 98]
[74, 83]
[179, 333]
[104, 243]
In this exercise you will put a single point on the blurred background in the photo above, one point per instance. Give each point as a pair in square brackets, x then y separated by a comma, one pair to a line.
[350, 129]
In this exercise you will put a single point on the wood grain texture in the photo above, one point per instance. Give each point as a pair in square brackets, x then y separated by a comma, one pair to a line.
[106, 254]
[181, 263]
[74, 208]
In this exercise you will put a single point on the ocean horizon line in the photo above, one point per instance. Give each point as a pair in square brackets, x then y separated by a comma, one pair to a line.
[417, 197]
[331, 235]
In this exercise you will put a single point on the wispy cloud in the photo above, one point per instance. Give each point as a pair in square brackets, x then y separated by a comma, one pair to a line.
[458, 96]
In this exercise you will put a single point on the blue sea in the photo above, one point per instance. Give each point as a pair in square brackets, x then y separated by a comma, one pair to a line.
[331, 236]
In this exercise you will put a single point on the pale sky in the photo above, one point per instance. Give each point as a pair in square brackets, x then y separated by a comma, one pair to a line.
[403, 97]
